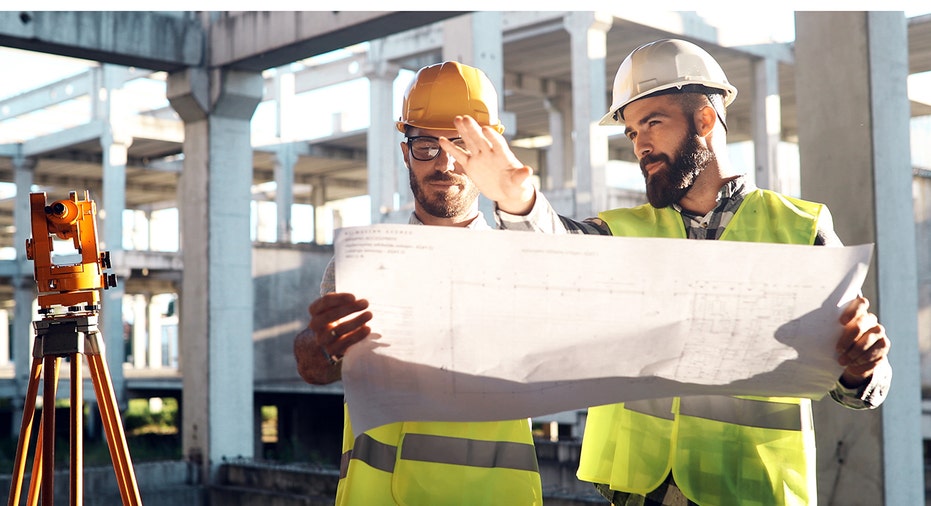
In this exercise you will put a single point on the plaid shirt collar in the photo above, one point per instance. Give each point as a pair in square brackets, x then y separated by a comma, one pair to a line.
[711, 225]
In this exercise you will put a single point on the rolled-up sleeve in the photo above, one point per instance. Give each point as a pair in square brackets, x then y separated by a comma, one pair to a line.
[543, 218]
[868, 396]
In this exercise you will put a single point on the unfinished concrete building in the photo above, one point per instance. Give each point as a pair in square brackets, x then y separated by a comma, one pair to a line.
[224, 148]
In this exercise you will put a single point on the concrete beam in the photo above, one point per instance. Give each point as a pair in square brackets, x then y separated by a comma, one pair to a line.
[255, 41]
[46, 96]
[156, 41]
[63, 139]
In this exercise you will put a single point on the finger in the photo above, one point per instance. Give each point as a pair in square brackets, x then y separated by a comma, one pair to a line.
[870, 345]
[329, 301]
[325, 315]
[338, 329]
[460, 155]
[498, 144]
[856, 307]
[855, 329]
[471, 133]
[864, 364]
[346, 334]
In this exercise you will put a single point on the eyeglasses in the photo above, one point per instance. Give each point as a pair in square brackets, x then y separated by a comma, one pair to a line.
[426, 148]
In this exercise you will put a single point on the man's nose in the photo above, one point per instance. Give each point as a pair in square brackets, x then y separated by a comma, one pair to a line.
[642, 147]
[443, 162]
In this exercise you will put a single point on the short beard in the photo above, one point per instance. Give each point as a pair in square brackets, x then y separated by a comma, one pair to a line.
[670, 184]
[443, 207]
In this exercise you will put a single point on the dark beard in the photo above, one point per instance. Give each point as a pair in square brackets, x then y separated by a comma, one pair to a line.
[670, 184]
[442, 207]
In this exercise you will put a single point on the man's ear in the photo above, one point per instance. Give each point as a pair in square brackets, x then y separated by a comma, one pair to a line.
[405, 151]
[705, 120]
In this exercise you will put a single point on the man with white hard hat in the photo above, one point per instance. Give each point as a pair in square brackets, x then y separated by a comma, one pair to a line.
[671, 97]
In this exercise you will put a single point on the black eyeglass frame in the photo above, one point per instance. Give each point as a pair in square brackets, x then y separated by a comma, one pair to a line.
[410, 145]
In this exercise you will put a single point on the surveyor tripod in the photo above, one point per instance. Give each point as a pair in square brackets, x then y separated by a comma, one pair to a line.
[69, 303]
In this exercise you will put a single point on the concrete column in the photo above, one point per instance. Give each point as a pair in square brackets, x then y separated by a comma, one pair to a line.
[154, 348]
[855, 156]
[24, 286]
[140, 334]
[4, 337]
[588, 44]
[766, 123]
[288, 114]
[115, 145]
[556, 153]
[216, 315]
[382, 152]
[476, 40]
[317, 201]
[285, 158]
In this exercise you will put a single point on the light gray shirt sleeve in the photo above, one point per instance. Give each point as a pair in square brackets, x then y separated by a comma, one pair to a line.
[328, 283]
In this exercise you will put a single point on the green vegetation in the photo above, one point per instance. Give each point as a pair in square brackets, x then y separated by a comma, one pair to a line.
[150, 428]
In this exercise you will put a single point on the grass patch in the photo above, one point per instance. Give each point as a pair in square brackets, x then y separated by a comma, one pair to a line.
[150, 428]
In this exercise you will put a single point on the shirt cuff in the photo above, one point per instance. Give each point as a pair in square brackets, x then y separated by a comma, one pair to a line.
[541, 218]
[868, 396]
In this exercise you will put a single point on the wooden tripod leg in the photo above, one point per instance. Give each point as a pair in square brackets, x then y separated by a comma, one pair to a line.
[113, 425]
[77, 432]
[48, 421]
[36, 482]
[25, 433]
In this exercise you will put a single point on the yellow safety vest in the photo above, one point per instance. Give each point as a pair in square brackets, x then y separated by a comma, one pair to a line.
[440, 463]
[721, 450]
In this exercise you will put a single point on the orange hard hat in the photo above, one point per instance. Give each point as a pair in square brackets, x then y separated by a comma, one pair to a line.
[442, 91]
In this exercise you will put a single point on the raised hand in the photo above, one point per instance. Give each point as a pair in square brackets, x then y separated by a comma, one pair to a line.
[492, 166]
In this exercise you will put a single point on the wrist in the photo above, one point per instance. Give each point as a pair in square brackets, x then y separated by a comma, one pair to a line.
[520, 206]
[854, 381]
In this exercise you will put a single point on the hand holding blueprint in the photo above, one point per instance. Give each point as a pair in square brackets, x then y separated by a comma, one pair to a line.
[489, 325]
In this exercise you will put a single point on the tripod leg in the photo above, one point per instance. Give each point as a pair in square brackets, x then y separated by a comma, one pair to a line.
[116, 438]
[77, 432]
[37, 465]
[48, 420]
[36, 480]
[25, 432]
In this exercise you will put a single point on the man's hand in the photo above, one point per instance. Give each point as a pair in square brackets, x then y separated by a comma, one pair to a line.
[862, 345]
[492, 166]
[337, 321]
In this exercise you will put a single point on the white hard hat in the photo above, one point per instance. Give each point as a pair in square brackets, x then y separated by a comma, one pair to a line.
[662, 65]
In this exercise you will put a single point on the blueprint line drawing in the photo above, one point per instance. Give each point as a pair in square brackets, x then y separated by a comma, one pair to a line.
[488, 325]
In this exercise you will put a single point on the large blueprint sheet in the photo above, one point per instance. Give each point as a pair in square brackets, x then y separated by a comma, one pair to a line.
[488, 325]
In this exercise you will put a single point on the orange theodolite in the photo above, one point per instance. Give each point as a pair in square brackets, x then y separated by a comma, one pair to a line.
[67, 284]
[69, 301]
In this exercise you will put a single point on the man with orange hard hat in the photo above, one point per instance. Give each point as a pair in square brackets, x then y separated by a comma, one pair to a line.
[421, 463]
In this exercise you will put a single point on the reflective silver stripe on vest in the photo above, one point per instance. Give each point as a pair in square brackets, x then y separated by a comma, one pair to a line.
[660, 408]
[469, 452]
[443, 450]
[371, 451]
[746, 412]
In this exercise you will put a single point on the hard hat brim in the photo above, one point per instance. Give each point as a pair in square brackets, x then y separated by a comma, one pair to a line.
[730, 93]
[401, 126]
